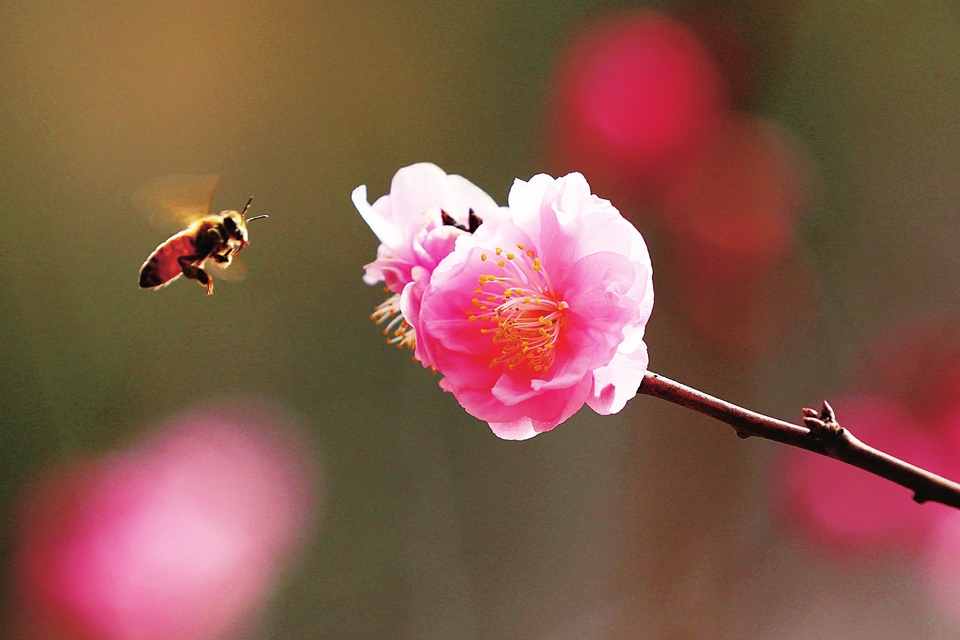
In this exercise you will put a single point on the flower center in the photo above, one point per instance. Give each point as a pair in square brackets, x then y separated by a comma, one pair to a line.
[520, 301]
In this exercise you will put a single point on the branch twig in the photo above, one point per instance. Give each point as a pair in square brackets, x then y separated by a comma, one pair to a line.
[822, 434]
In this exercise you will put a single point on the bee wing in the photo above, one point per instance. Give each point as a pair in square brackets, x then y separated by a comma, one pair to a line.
[176, 200]
[235, 271]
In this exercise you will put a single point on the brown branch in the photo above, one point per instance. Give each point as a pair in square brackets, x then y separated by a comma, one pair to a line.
[822, 434]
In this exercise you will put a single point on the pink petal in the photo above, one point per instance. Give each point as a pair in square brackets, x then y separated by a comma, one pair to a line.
[419, 187]
[545, 410]
[521, 429]
[616, 383]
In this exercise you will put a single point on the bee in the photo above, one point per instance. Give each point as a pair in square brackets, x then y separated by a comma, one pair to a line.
[208, 244]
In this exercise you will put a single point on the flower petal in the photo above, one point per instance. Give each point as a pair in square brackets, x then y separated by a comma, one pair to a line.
[537, 313]
[616, 383]
[520, 429]
[419, 187]
[385, 231]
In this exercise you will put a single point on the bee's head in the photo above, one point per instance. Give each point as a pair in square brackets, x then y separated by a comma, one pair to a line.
[235, 226]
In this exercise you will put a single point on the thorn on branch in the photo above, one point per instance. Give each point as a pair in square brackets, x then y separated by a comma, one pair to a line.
[918, 498]
[822, 424]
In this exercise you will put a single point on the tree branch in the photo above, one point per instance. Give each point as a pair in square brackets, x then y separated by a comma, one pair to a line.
[822, 434]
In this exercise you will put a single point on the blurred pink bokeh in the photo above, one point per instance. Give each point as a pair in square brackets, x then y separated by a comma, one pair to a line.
[917, 364]
[940, 568]
[634, 95]
[847, 509]
[733, 211]
[182, 535]
[743, 189]
[644, 105]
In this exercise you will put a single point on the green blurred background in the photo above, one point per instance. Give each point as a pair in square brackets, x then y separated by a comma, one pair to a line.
[652, 523]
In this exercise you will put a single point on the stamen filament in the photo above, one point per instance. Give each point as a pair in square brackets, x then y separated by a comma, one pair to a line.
[528, 317]
[388, 314]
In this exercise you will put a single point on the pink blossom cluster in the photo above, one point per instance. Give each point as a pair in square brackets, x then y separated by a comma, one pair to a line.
[528, 311]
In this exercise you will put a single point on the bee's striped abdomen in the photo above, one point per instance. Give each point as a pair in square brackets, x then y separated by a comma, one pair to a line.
[162, 266]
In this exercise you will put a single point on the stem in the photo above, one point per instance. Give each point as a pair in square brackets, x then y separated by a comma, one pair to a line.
[822, 434]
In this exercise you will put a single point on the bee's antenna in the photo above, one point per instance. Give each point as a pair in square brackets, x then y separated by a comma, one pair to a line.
[244, 212]
[249, 220]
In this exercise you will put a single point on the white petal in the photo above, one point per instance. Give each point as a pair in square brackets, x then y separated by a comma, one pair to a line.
[616, 383]
[386, 232]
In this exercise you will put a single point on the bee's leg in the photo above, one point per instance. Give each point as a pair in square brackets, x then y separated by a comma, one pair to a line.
[203, 278]
[190, 270]
[187, 267]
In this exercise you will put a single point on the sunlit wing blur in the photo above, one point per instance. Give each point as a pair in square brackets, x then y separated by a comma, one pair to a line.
[235, 271]
[176, 200]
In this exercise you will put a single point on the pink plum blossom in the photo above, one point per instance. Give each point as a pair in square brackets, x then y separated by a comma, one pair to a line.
[534, 315]
[414, 237]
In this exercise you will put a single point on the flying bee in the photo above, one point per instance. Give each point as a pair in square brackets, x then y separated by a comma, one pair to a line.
[208, 244]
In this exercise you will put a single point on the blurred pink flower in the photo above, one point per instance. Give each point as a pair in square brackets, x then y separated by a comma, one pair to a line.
[531, 317]
[414, 237]
[850, 510]
[634, 94]
[181, 537]
[940, 564]
[917, 364]
[940, 569]
[734, 209]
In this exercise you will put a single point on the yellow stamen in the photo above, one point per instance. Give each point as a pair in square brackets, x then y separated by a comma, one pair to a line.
[528, 317]
[388, 314]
